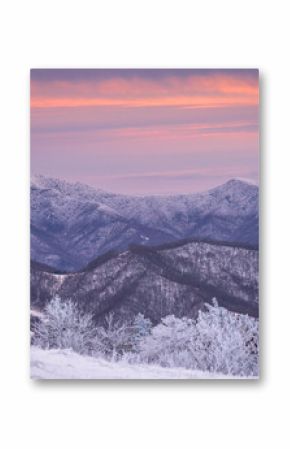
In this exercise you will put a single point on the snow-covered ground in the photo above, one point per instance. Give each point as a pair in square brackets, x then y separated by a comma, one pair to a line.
[65, 364]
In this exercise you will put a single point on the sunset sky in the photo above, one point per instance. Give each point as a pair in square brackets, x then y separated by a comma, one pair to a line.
[145, 131]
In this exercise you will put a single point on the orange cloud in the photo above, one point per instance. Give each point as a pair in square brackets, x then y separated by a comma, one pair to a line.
[190, 102]
[215, 91]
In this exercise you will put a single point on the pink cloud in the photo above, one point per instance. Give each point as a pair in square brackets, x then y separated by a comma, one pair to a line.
[109, 131]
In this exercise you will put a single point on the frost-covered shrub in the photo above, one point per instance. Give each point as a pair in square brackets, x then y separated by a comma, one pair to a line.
[64, 326]
[225, 342]
[168, 342]
[141, 328]
[114, 339]
[121, 339]
[218, 341]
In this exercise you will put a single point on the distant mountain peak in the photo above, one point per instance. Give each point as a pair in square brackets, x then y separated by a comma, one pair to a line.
[238, 180]
[47, 182]
[236, 186]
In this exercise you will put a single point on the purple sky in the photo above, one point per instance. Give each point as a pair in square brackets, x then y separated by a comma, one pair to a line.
[145, 131]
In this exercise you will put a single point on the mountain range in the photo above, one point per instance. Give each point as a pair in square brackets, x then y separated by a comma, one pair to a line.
[72, 224]
[177, 278]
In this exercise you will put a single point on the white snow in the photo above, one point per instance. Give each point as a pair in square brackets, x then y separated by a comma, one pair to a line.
[65, 364]
[107, 210]
[36, 313]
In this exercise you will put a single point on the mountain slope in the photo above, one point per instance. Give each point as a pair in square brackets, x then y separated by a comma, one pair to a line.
[72, 224]
[171, 279]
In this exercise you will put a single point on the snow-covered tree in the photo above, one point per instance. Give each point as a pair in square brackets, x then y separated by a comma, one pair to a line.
[168, 342]
[141, 328]
[218, 341]
[225, 342]
[114, 339]
[64, 326]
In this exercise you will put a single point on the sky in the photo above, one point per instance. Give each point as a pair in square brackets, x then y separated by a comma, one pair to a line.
[145, 131]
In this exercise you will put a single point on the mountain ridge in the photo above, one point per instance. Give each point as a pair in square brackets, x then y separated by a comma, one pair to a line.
[157, 282]
[72, 224]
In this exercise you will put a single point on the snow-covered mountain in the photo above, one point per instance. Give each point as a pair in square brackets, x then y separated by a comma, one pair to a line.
[72, 224]
[172, 279]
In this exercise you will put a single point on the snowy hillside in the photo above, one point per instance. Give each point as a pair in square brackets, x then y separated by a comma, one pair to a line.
[157, 281]
[65, 364]
[72, 224]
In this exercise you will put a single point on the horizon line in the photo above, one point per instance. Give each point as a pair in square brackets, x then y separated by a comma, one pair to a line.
[245, 180]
